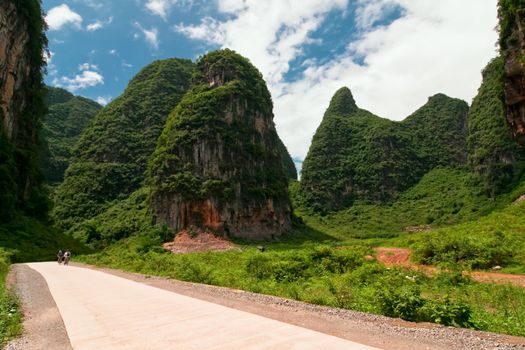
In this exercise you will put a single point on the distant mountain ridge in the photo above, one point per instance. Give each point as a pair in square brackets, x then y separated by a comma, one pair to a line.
[356, 155]
[68, 116]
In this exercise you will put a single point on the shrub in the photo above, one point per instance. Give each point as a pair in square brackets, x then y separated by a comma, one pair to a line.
[401, 301]
[448, 312]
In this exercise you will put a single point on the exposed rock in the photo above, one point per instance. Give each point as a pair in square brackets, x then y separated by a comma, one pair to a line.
[22, 43]
[14, 67]
[217, 165]
[492, 152]
[512, 42]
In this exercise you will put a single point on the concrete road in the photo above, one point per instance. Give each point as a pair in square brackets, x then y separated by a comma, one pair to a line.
[105, 312]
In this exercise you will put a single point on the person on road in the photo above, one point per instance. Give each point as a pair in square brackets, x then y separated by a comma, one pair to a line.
[67, 256]
[60, 256]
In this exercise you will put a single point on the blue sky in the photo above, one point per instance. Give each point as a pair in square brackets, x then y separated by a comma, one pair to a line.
[393, 54]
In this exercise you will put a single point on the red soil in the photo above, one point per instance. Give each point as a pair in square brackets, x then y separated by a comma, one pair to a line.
[200, 242]
[401, 257]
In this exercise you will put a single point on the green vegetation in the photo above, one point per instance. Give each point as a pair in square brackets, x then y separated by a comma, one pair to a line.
[288, 164]
[67, 118]
[205, 117]
[124, 218]
[509, 12]
[325, 275]
[220, 145]
[10, 317]
[438, 131]
[110, 158]
[356, 156]
[492, 152]
[28, 239]
[443, 197]
[494, 240]
[8, 171]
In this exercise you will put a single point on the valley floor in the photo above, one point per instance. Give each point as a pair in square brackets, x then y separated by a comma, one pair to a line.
[372, 330]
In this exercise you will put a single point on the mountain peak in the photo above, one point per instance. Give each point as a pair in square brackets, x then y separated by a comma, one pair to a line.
[342, 102]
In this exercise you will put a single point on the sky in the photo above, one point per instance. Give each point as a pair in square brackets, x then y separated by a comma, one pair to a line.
[392, 54]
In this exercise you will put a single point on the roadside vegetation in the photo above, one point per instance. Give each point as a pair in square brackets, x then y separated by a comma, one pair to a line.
[331, 274]
[328, 259]
[10, 317]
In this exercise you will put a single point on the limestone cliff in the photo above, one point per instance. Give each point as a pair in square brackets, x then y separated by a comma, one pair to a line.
[217, 165]
[492, 152]
[512, 44]
[22, 45]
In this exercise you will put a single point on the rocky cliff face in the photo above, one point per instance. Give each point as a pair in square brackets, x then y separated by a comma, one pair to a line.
[492, 153]
[356, 155]
[512, 43]
[22, 43]
[217, 165]
[14, 66]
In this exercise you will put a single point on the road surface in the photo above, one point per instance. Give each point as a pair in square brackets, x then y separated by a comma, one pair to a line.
[103, 311]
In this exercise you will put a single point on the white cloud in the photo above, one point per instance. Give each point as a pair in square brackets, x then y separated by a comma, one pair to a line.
[162, 7]
[113, 52]
[61, 16]
[87, 78]
[98, 24]
[87, 66]
[158, 7]
[436, 46]
[150, 35]
[270, 32]
[103, 100]
[95, 4]
[126, 64]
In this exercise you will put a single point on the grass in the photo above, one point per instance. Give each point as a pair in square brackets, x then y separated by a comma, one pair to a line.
[324, 260]
[333, 276]
[10, 317]
[443, 197]
[27, 239]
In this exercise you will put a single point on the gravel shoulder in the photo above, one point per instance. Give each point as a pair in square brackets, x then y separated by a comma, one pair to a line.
[368, 329]
[43, 325]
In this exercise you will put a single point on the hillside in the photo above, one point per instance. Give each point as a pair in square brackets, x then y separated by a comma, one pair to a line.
[356, 155]
[110, 158]
[491, 151]
[217, 165]
[67, 117]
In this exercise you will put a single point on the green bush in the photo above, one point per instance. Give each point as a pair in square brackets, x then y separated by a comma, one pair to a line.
[448, 312]
[403, 301]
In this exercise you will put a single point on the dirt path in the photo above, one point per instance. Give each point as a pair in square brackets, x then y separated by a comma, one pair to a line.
[103, 311]
[401, 257]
